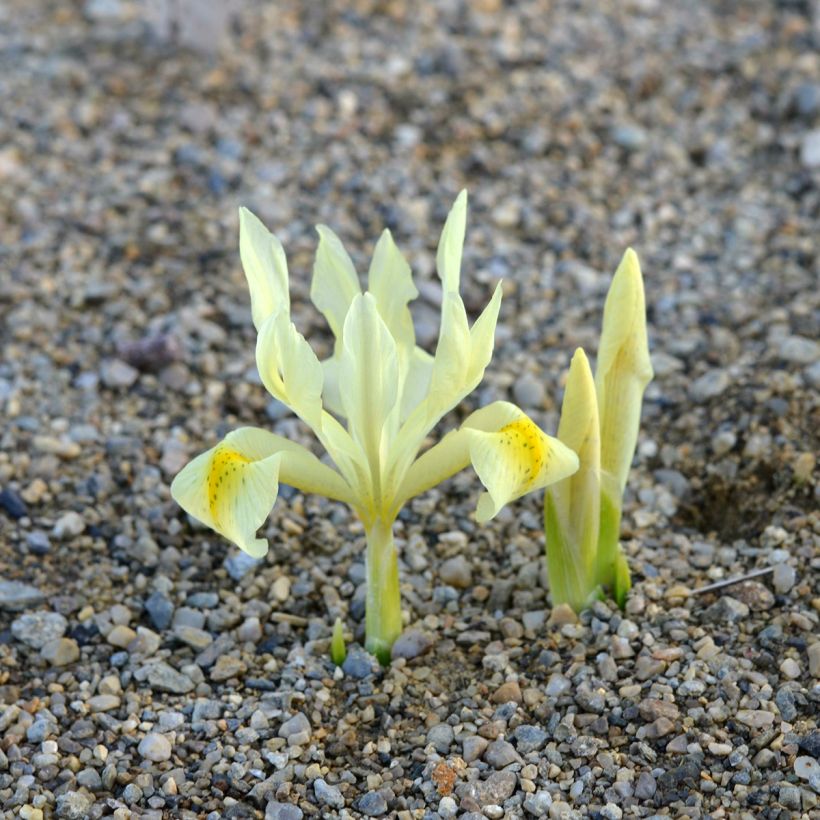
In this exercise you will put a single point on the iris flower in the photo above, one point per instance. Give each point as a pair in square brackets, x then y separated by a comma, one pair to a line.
[371, 405]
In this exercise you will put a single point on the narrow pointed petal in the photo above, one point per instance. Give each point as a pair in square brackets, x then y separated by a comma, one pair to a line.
[368, 376]
[265, 266]
[391, 283]
[416, 382]
[451, 245]
[232, 487]
[516, 460]
[577, 498]
[452, 453]
[624, 368]
[335, 283]
[289, 368]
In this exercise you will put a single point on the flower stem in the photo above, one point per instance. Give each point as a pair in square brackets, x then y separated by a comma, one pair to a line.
[612, 569]
[383, 612]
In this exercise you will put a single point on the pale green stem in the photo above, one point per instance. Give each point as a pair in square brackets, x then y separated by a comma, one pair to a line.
[383, 611]
[611, 569]
[569, 581]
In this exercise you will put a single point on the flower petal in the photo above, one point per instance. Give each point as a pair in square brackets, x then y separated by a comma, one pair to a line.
[391, 283]
[368, 379]
[265, 266]
[624, 368]
[516, 460]
[335, 283]
[289, 368]
[232, 487]
[451, 245]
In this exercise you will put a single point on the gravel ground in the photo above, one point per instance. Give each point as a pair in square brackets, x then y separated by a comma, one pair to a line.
[147, 669]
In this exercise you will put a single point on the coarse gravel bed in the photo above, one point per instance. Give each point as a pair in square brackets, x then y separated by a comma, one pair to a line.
[148, 669]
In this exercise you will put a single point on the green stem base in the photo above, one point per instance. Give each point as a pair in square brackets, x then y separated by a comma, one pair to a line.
[383, 611]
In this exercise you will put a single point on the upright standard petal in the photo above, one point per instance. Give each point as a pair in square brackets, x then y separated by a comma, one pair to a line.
[368, 381]
[451, 245]
[289, 368]
[232, 487]
[391, 283]
[624, 368]
[516, 460]
[335, 283]
[265, 266]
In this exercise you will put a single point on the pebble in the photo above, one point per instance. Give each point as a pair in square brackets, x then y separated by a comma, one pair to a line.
[790, 795]
[60, 652]
[814, 659]
[103, 703]
[227, 667]
[529, 738]
[250, 630]
[155, 747]
[328, 795]
[15, 595]
[36, 629]
[755, 718]
[472, 747]
[810, 149]
[790, 669]
[282, 811]
[358, 664]
[69, 525]
[165, 678]
[447, 808]
[709, 386]
[38, 542]
[73, 805]
[783, 578]
[507, 692]
[806, 767]
[160, 610]
[538, 803]
[646, 786]
[456, 572]
[529, 392]
[281, 589]
[296, 730]
[373, 804]
[12, 504]
[121, 636]
[117, 373]
[558, 685]
[238, 564]
[411, 644]
[500, 754]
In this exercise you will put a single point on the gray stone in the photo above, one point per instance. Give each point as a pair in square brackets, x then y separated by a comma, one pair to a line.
[810, 149]
[15, 595]
[557, 685]
[73, 805]
[282, 811]
[629, 137]
[456, 572]
[500, 754]
[164, 678]
[472, 747]
[90, 779]
[806, 767]
[296, 730]
[117, 373]
[373, 804]
[160, 610]
[38, 628]
[646, 786]
[328, 795]
[784, 578]
[799, 350]
[529, 391]
[529, 738]
[726, 610]
[411, 644]
[359, 664]
[709, 386]
[38, 542]
[784, 700]
[790, 795]
[238, 564]
[611, 811]
[538, 803]
[155, 747]
[497, 788]
[441, 736]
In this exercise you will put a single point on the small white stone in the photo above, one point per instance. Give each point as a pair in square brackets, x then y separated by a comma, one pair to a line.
[790, 668]
[155, 747]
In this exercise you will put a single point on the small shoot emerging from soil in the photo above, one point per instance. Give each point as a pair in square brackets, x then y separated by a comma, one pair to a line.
[599, 421]
[371, 404]
[338, 650]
